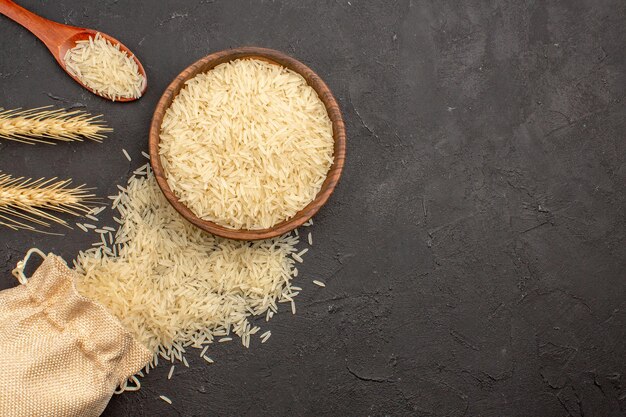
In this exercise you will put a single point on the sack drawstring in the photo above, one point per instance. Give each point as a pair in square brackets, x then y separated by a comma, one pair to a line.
[18, 272]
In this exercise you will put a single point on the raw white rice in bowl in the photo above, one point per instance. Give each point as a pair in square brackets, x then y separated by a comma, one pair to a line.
[247, 144]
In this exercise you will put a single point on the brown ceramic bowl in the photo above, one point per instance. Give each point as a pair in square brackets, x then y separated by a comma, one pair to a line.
[272, 56]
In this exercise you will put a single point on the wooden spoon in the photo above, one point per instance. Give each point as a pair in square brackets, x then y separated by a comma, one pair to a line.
[60, 38]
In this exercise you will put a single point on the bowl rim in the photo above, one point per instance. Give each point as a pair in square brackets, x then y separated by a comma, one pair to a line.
[332, 107]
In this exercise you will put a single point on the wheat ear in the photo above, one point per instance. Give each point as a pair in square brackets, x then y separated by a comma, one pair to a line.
[50, 126]
[24, 201]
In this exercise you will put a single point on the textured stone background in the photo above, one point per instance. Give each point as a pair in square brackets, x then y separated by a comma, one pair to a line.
[474, 251]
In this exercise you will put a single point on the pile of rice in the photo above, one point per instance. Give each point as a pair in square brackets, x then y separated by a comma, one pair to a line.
[247, 144]
[104, 68]
[173, 285]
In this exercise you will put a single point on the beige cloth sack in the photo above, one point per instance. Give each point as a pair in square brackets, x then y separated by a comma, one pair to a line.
[61, 354]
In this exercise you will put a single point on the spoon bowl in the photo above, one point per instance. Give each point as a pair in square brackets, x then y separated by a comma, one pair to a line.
[85, 34]
[60, 38]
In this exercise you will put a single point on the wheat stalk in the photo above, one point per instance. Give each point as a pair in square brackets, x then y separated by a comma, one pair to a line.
[24, 201]
[49, 126]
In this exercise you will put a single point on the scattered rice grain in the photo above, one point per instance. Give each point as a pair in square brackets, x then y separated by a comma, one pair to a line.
[213, 285]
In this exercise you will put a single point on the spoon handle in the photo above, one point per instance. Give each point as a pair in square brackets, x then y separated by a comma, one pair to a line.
[49, 32]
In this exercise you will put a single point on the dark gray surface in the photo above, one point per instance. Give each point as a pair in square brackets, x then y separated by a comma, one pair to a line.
[474, 252]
